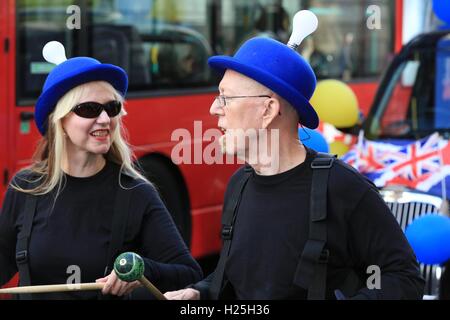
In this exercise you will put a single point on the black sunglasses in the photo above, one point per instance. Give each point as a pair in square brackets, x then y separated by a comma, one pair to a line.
[92, 110]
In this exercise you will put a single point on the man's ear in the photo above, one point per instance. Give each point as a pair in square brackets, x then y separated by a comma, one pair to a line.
[271, 112]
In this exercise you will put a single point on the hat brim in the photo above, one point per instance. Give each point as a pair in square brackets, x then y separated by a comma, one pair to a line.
[307, 114]
[102, 72]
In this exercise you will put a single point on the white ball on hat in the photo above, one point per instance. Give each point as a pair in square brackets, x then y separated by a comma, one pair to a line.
[54, 52]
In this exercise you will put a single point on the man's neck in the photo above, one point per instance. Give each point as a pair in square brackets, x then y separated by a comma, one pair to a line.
[291, 153]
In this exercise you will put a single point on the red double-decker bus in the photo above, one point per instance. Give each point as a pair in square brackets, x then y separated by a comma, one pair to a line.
[164, 45]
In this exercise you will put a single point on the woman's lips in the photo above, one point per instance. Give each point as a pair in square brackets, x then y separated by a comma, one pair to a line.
[100, 134]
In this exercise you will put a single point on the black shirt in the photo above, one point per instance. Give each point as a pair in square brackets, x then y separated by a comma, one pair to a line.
[272, 228]
[73, 231]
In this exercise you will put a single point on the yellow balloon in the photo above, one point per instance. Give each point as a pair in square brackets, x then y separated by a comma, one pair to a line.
[336, 103]
[339, 148]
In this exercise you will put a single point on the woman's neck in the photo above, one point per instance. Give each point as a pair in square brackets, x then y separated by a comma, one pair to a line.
[83, 165]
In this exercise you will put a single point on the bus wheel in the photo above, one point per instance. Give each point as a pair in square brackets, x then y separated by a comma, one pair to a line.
[170, 186]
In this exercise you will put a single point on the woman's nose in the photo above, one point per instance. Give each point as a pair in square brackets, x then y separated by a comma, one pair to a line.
[103, 118]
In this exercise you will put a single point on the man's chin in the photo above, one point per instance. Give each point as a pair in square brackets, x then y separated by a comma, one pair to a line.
[227, 148]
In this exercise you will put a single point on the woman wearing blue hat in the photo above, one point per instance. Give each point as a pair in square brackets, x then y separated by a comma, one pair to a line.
[81, 202]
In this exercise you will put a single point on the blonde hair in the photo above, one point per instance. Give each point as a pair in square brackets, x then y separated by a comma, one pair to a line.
[47, 161]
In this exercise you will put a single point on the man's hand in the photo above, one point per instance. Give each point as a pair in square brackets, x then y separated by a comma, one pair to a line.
[185, 294]
[117, 287]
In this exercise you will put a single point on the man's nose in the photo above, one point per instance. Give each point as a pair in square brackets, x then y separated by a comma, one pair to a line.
[216, 109]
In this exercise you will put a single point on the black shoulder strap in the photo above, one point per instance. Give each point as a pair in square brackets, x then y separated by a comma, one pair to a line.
[228, 219]
[23, 240]
[311, 272]
[119, 223]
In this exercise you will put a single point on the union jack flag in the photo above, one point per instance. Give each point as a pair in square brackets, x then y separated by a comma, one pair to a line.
[423, 165]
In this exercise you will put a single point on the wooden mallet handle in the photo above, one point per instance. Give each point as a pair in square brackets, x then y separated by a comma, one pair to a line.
[54, 288]
[76, 287]
[158, 295]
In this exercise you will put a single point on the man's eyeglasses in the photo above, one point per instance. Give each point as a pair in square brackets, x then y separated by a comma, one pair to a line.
[91, 110]
[223, 99]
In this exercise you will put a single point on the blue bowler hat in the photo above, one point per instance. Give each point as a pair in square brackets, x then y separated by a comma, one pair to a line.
[277, 67]
[69, 74]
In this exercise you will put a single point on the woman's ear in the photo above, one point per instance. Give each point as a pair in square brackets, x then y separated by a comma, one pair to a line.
[272, 111]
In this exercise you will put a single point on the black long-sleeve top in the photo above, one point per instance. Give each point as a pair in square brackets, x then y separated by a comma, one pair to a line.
[272, 227]
[75, 229]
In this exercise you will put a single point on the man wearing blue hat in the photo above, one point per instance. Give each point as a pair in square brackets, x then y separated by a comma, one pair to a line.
[309, 226]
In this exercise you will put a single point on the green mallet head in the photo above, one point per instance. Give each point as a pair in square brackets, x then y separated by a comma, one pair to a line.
[129, 267]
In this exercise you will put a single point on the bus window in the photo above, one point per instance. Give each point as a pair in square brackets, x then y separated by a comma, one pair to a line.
[160, 44]
[242, 20]
[38, 22]
[411, 111]
[394, 120]
[345, 45]
[351, 41]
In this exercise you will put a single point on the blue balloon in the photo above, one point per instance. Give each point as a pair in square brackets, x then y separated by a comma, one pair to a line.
[429, 236]
[313, 139]
[442, 10]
